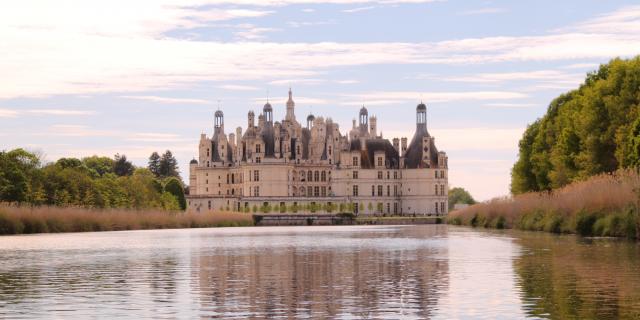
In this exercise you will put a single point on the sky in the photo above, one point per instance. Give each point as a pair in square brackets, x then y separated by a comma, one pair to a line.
[87, 77]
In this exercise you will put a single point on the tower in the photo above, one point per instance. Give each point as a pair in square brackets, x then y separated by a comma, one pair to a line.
[252, 119]
[364, 121]
[421, 116]
[290, 116]
[267, 111]
[373, 124]
[218, 123]
[310, 120]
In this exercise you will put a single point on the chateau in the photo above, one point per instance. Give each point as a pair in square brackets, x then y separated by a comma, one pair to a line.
[282, 166]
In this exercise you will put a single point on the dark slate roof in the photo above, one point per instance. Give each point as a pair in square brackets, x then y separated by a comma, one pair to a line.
[374, 145]
[193, 161]
[269, 141]
[413, 157]
[306, 140]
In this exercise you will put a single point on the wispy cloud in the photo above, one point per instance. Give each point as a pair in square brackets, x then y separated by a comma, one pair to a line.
[60, 112]
[482, 11]
[510, 105]
[251, 32]
[397, 97]
[155, 137]
[8, 113]
[288, 82]
[587, 65]
[168, 99]
[237, 87]
[359, 9]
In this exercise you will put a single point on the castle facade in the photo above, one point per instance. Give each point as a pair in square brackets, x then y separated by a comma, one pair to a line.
[285, 166]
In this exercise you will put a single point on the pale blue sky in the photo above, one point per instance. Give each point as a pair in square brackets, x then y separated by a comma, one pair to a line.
[94, 77]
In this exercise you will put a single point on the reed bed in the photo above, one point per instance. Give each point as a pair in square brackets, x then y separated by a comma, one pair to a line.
[28, 219]
[603, 205]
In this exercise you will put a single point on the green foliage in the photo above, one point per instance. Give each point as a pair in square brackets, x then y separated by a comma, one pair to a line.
[459, 195]
[168, 165]
[93, 182]
[154, 164]
[174, 187]
[122, 167]
[587, 131]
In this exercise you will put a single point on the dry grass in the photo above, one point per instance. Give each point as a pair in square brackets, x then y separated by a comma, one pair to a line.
[604, 205]
[26, 219]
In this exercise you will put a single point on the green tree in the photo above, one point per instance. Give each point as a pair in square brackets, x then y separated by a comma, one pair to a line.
[99, 166]
[168, 165]
[174, 186]
[121, 166]
[154, 164]
[459, 196]
[587, 131]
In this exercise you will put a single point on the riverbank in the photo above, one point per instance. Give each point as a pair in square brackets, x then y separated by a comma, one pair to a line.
[603, 205]
[28, 220]
[339, 219]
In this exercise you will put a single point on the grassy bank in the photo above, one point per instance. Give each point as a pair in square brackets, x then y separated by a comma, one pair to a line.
[26, 220]
[603, 205]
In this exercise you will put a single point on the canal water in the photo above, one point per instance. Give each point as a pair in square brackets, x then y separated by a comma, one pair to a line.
[346, 272]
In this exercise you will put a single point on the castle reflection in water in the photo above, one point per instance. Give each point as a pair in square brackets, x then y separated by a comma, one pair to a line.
[346, 279]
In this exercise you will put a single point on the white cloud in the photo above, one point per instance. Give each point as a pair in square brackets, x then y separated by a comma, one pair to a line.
[72, 130]
[155, 137]
[396, 97]
[482, 11]
[359, 9]
[94, 47]
[300, 100]
[308, 10]
[8, 113]
[168, 99]
[624, 20]
[289, 82]
[591, 66]
[253, 33]
[60, 112]
[510, 105]
[238, 87]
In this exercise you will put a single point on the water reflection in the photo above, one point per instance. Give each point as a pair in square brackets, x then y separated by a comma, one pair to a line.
[338, 276]
[348, 272]
[565, 277]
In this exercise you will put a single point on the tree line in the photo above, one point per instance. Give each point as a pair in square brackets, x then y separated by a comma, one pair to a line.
[92, 182]
[591, 130]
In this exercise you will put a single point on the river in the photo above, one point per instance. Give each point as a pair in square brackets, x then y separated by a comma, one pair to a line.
[346, 272]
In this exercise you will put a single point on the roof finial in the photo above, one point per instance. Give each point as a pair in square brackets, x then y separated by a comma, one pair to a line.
[267, 95]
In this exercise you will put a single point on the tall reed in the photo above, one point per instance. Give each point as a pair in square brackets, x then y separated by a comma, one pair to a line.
[603, 205]
[28, 219]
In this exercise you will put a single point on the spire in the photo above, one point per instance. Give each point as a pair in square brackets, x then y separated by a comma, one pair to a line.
[290, 108]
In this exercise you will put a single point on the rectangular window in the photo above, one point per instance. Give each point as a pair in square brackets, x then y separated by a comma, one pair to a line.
[436, 186]
[379, 161]
[323, 176]
[324, 191]
[388, 175]
[388, 207]
[209, 204]
[256, 175]
[388, 191]
[309, 191]
[436, 208]
[442, 189]
[442, 207]
[436, 172]
[355, 161]
[258, 160]
[373, 191]
[355, 191]
[395, 174]
[395, 191]
[379, 191]
[355, 174]
[256, 191]
[380, 175]
[395, 208]
[316, 176]
[258, 148]
[316, 191]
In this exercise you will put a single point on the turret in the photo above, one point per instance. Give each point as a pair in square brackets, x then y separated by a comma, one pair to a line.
[252, 118]
[421, 116]
[267, 111]
[403, 150]
[373, 124]
[218, 123]
[310, 120]
[290, 108]
[396, 144]
[364, 121]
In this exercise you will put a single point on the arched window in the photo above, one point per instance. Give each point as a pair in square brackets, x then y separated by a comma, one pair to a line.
[316, 176]
[310, 175]
[324, 176]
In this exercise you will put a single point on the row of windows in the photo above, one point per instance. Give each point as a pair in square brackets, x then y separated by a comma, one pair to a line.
[314, 176]
[380, 189]
[380, 175]
[311, 191]
[439, 188]
[439, 174]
